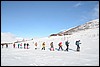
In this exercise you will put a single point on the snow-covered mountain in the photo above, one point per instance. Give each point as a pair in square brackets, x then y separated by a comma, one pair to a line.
[7, 37]
[88, 25]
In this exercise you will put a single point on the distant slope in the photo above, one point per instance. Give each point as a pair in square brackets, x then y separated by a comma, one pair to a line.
[89, 25]
[7, 38]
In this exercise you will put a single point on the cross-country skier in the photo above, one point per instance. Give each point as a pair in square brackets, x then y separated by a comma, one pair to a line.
[21, 45]
[2, 45]
[51, 46]
[77, 44]
[60, 46]
[43, 46]
[67, 44]
[6, 45]
[14, 45]
[35, 45]
[24, 45]
[18, 45]
[27, 45]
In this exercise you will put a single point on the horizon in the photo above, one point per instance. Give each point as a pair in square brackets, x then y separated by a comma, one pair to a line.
[30, 19]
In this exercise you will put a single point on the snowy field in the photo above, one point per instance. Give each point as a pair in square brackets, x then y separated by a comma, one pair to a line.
[88, 55]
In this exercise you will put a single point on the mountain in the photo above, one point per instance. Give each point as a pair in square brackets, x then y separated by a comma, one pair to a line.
[11, 38]
[7, 38]
[88, 25]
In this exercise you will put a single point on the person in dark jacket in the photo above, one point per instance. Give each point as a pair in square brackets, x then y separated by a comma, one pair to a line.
[51, 46]
[2, 45]
[24, 45]
[27, 45]
[67, 45]
[77, 44]
[6, 45]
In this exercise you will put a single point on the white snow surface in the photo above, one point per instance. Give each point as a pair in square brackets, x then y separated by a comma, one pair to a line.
[88, 55]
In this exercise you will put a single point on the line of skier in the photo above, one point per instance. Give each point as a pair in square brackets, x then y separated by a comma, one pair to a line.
[26, 45]
[77, 43]
[4, 44]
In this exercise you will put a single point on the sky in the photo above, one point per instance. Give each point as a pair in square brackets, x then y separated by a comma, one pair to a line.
[43, 18]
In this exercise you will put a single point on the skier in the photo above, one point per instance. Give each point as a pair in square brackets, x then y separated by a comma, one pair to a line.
[24, 45]
[35, 45]
[14, 45]
[77, 44]
[60, 46]
[67, 44]
[43, 46]
[27, 46]
[2, 45]
[18, 45]
[51, 48]
[21, 45]
[6, 45]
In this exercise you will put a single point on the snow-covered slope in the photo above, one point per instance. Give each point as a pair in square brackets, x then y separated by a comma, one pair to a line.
[88, 55]
[7, 38]
[88, 25]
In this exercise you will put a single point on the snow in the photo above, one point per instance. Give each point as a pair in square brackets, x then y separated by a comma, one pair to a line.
[7, 38]
[88, 25]
[88, 55]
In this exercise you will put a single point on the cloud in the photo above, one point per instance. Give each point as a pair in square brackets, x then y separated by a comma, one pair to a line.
[91, 15]
[77, 5]
[83, 18]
